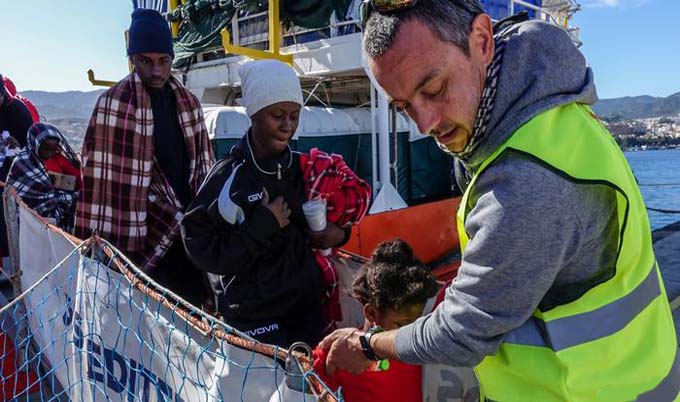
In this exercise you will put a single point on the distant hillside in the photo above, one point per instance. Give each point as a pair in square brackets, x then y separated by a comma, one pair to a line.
[78, 105]
[69, 111]
[64, 105]
[637, 107]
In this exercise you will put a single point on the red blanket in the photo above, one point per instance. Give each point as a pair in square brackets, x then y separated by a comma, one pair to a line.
[347, 198]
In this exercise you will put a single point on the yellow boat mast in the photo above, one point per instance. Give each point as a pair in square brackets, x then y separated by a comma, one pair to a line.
[274, 39]
[275, 36]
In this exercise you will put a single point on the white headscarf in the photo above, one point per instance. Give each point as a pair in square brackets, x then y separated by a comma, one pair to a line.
[266, 82]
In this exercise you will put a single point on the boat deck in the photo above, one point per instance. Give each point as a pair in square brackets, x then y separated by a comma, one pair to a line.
[667, 247]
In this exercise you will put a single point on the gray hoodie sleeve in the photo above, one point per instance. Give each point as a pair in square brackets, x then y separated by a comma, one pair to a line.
[523, 229]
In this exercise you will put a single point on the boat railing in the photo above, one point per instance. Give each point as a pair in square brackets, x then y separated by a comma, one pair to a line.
[85, 323]
[558, 17]
[250, 30]
[541, 13]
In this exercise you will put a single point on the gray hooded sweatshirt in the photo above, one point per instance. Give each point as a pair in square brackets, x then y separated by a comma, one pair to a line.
[537, 240]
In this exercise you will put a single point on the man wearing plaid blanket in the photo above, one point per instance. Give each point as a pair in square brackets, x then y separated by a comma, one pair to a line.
[145, 154]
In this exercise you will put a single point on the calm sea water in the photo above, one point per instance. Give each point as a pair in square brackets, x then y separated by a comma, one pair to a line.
[658, 173]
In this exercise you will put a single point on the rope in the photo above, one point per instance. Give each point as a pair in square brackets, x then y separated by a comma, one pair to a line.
[11, 277]
[675, 303]
[659, 185]
[664, 211]
[184, 316]
[26, 292]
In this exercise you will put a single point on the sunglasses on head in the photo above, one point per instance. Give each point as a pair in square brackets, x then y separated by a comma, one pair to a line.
[383, 7]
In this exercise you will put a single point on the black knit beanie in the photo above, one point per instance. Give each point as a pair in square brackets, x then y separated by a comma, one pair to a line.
[149, 33]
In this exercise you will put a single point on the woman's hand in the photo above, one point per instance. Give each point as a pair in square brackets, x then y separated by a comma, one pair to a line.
[327, 238]
[278, 207]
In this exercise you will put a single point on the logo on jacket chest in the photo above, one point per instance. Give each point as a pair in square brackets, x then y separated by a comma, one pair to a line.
[255, 197]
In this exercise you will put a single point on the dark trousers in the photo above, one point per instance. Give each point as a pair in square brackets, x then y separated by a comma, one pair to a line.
[176, 272]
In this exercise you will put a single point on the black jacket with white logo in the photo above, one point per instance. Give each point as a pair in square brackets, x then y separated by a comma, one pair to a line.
[257, 270]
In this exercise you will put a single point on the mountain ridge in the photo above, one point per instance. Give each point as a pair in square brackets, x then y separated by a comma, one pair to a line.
[71, 111]
[638, 107]
[64, 105]
[79, 105]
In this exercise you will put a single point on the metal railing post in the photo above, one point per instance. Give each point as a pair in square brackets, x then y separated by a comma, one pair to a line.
[274, 40]
[174, 26]
[274, 27]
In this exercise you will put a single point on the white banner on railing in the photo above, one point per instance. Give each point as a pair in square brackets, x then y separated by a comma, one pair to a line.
[125, 346]
[105, 340]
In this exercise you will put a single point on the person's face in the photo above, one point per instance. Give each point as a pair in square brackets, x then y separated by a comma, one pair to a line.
[274, 127]
[435, 82]
[153, 68]
[48, 148]
[390, 319]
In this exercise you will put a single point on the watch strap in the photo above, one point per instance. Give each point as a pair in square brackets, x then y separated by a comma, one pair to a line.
[365, 340]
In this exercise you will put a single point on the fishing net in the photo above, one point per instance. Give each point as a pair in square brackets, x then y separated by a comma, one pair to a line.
[90, 326]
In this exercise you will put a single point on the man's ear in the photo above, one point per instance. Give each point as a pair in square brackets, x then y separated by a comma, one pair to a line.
[480, 41]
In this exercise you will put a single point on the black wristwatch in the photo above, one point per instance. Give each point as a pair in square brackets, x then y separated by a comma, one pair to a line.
[365, 340]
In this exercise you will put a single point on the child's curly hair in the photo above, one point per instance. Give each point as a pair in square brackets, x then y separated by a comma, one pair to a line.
[394, 278]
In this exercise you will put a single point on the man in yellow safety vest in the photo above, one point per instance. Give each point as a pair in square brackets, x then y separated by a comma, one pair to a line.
[558, 297]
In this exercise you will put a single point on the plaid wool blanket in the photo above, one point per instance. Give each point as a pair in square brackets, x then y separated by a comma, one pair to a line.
[126, 198]
[347, 199]
[33, 184]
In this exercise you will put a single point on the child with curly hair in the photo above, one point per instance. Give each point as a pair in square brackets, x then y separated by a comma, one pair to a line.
[393, 287]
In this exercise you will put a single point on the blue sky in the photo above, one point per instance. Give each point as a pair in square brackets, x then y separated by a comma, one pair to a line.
[50, 44]
[633, 45]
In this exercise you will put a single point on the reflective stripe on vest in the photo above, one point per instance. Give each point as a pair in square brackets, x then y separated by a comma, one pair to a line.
[615, 342]
[668, 389]
[586, 327]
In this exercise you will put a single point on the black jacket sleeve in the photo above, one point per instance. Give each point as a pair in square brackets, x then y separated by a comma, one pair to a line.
[213, 244]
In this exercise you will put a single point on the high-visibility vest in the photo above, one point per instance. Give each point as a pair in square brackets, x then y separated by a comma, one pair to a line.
[617, 341]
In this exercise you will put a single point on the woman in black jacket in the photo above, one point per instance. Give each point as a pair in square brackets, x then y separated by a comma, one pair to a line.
[246, 227]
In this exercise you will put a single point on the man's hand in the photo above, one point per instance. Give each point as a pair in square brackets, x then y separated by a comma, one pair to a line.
[330, 237]
[345, 352]
[278, 207]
